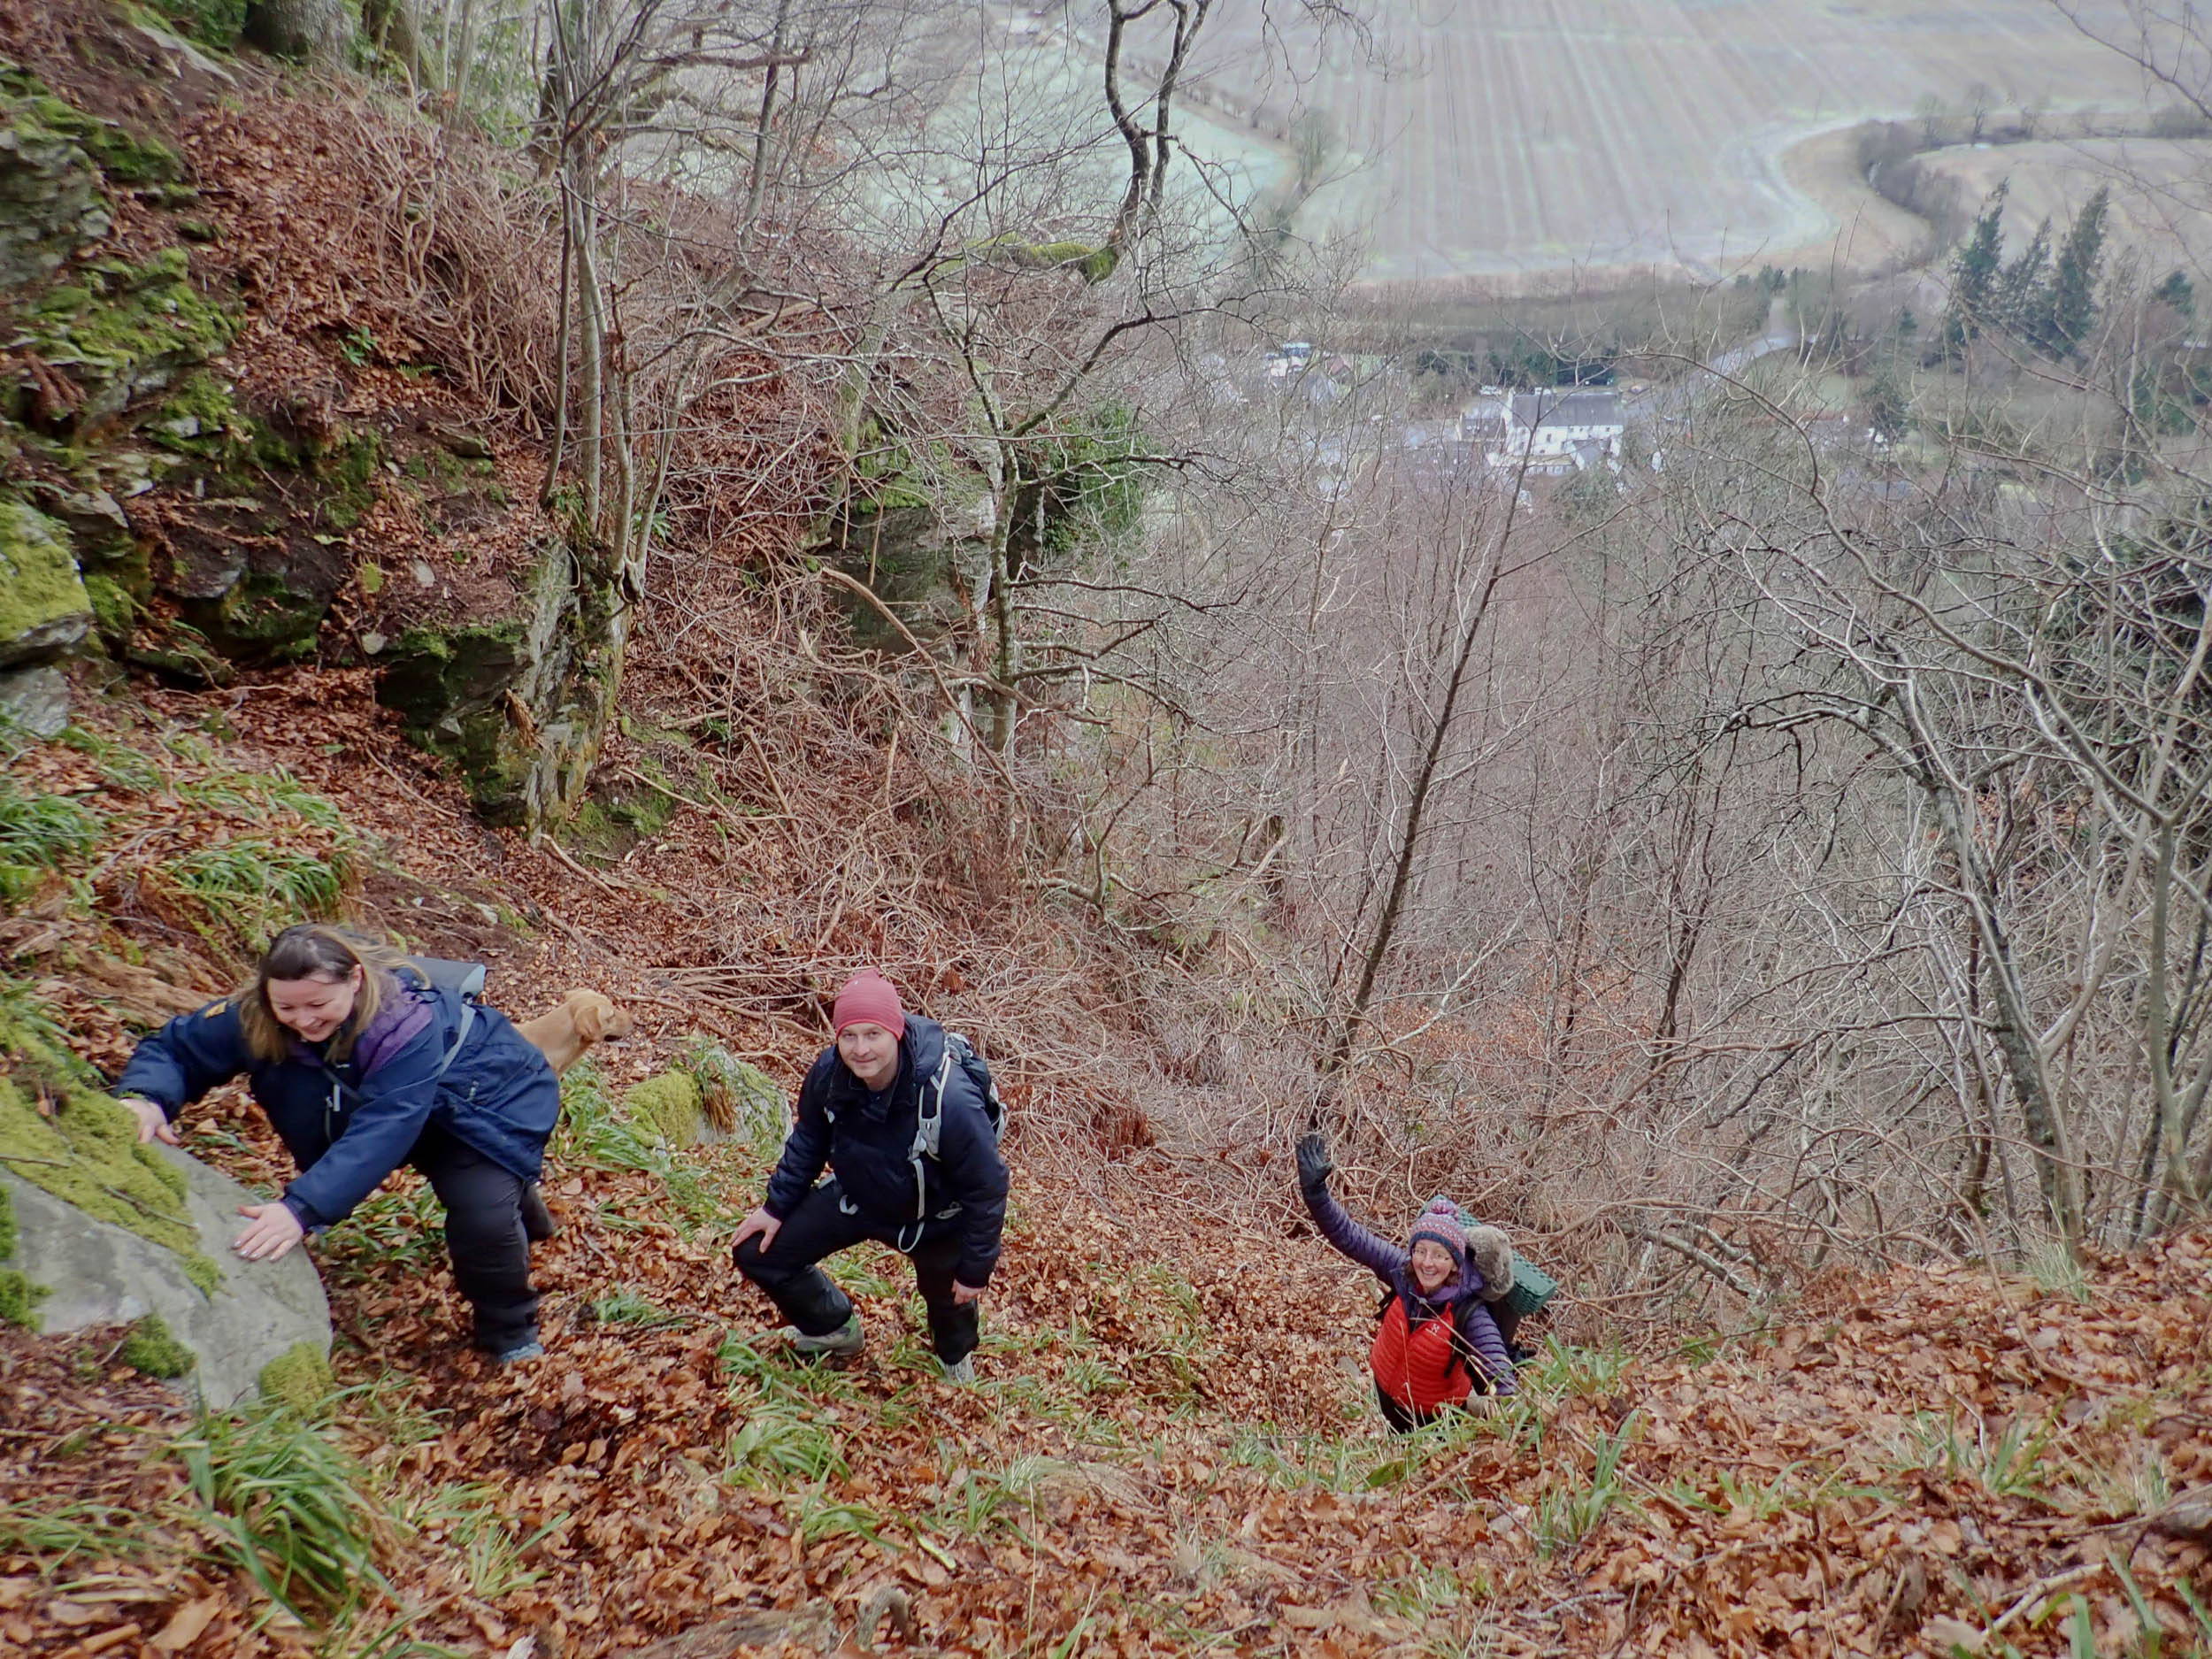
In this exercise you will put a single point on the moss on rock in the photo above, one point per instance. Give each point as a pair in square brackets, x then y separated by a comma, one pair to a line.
[44, 606]
[84, 1148]
[671, 1103]
[216, 23]
[20, 1298]
[151, 1349]
[299, 1378]
[51, 202]
[138, 330]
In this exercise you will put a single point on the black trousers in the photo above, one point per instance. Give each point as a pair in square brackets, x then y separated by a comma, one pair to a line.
[483, 1237]
[819, 1228]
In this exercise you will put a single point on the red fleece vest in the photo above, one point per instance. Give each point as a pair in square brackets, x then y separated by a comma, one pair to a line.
[1416, 1367]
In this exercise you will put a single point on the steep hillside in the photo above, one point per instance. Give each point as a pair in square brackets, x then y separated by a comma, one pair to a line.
[1171, 1447]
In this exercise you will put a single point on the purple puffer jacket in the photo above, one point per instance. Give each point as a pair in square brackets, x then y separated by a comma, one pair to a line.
[1460, 1298]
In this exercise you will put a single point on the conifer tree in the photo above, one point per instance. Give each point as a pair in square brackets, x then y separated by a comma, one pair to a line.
[2073, 305]
[1974, 274]
[2020, 297]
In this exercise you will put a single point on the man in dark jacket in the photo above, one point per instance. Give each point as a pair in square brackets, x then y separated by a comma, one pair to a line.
[860, 1113]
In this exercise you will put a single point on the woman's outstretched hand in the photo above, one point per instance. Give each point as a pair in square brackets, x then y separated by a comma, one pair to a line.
[1314, 1163]
[153, 1122]
[274, 1230]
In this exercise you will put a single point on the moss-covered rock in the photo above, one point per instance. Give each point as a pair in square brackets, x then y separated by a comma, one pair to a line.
[83, 1146]
[216, 23]
[151, 1349]
[44, 606]
[129, 332]
[298, 1379]
[51, 202]
[671, 1103]
[739, 1098]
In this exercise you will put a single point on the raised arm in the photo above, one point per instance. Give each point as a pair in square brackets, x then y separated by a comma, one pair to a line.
[1378, 1254]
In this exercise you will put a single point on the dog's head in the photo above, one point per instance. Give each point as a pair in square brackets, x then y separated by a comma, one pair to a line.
[597, 1018]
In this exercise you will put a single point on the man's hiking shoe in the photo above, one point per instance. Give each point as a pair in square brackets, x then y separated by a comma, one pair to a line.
[531, 1349]
[960, 1374]
[842, 1343]
[538, 1221]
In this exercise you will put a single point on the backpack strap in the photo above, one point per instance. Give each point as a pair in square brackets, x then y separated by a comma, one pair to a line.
[339, 1086]
[929, 1125]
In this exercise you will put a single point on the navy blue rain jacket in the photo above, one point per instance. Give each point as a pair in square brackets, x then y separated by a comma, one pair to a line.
[348, 1125]
[868, 1141]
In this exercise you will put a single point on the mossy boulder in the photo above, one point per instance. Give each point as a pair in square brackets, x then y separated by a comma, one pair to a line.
[671, 1103]
[44, 606]
[124, 333]
[97, 1273]
[216, 23]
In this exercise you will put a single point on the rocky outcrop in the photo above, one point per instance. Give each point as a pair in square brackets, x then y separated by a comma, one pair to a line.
[95, 1273]
[50, 200]
[519, 704]
[43, 607]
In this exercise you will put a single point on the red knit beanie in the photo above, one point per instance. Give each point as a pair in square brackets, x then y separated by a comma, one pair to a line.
[869, 995]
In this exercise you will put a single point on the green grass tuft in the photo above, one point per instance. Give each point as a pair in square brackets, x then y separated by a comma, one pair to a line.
[290, 1506]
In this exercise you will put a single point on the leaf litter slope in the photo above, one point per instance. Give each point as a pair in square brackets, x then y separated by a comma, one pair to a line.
[1170, 1448]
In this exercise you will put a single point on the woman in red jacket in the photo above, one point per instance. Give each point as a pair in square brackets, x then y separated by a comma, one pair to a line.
[1437, 1343]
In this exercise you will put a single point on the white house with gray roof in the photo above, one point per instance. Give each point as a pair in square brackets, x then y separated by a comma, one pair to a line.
[1554, 430]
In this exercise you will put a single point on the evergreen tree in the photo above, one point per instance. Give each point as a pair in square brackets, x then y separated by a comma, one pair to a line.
[2178, 292]
[2073, 292]
[2020, 300]
[1974, 273]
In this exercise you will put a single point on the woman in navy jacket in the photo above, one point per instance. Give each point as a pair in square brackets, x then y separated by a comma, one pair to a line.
[363, 1064]
[858, 1114]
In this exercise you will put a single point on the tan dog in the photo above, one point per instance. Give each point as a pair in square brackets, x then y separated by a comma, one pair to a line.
[582, 1018]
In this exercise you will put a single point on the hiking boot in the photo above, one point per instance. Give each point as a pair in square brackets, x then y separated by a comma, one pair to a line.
[538, 1223]
[959, 1373]
[531, 1349]
[842, 1343]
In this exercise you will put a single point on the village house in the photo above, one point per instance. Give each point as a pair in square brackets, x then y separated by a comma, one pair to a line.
[1557, 429]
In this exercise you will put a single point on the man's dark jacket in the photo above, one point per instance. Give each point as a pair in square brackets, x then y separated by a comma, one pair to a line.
[867, 1139]
[349, 1124]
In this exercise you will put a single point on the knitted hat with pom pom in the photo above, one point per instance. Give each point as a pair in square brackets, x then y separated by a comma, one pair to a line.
[1439, 1222]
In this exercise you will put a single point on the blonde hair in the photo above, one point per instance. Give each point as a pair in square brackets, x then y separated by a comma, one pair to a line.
[316, 950]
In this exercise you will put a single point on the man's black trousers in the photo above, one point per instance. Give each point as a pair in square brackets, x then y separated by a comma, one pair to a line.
[484, 1238]
[819, 1228]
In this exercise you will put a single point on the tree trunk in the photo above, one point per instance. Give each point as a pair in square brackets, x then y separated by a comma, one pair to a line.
[316, 32]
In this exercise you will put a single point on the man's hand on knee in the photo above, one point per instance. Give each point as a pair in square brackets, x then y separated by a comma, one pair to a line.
[962, 1294]
[760, 1224]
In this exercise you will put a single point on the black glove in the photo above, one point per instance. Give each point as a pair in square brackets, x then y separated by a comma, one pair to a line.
[1314, 1163]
